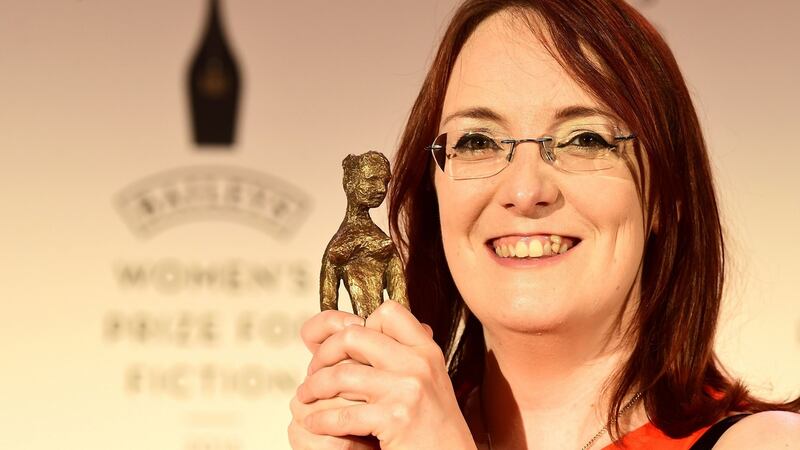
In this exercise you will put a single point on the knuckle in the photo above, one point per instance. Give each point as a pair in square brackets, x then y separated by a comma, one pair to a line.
[428, 329]
[422, 368]
[290, 431]
[413, 389]
[310, 387]
[327, 381]
[434, 356]
[343, 418]
[306, 330]
[295, 407]
[311, 422]
[304, 334]
[329, 315]
[295, 433]
[385, 311]
[390, 306]
[337, 320]
[392, 309]
[400, 414]
[325, 319]
[346, 374]
[350, 336]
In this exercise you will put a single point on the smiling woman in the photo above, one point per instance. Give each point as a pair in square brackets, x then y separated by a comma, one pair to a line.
[565, 215]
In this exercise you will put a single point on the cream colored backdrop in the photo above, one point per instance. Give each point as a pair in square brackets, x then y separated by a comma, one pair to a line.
[184, 338]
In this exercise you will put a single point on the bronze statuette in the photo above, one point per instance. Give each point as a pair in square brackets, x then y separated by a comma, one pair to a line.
[360, 253]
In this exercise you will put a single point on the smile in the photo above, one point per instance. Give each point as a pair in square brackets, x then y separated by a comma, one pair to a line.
[532, 246]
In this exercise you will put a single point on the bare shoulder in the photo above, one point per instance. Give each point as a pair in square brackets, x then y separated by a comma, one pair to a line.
[765, 430]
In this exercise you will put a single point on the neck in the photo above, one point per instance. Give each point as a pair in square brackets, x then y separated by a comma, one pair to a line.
[547, 390]
[357, 213]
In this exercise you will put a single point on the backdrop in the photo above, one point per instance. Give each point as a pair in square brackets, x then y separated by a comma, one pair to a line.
[152, 288]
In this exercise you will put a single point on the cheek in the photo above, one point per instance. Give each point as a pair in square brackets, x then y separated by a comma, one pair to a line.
[461, 204]
[614, 213]
[609, 204]
[459, 211]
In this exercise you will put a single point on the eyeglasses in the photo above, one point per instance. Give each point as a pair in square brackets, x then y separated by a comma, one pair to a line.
[480, 153]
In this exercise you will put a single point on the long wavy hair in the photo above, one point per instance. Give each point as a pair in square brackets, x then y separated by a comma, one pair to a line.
[672, 360]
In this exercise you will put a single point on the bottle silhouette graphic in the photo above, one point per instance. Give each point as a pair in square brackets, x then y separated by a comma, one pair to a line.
[214, 84]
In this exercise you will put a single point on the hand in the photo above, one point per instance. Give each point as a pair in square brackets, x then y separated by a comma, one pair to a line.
[299, 437]
[399, 382]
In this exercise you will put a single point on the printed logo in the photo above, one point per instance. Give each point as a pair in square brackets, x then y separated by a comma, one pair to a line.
[199, 193]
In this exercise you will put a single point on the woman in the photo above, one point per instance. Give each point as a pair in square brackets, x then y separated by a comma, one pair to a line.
[569, 219]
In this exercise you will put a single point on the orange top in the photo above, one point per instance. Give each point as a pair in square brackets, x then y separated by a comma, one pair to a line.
[651, 438]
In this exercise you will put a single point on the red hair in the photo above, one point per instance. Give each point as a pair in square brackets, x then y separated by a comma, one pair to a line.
[672, 361]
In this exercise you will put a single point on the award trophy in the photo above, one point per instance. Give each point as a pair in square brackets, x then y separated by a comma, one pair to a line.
[360, 254]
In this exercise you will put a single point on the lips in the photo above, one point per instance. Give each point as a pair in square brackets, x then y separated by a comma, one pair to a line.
[532, 246]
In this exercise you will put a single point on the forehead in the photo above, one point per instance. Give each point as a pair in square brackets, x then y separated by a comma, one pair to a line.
[503, 66]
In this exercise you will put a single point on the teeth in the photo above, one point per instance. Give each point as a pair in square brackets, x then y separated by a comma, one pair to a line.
[535, 249]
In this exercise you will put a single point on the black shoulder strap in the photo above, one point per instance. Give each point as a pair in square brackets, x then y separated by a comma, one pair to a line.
[712, 435]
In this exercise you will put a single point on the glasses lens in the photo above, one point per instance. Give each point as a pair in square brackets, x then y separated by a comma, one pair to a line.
[472, 154]
[587, 147]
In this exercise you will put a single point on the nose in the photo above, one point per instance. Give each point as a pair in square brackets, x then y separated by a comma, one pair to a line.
[527, 186]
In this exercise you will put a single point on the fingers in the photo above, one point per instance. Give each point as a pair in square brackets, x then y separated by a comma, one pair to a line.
[395, 321]
[348, 381]
[321, 326]
[321, 417]
[302, 439]
[390, 318]
[358, 420]
[361, 344]
[300, 410]
[387, 341]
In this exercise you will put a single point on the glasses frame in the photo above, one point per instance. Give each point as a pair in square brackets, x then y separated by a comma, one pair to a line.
[545, 152]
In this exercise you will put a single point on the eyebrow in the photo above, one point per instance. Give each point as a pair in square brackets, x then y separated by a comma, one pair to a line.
[480, 113]
[577, 111]
[567, 113]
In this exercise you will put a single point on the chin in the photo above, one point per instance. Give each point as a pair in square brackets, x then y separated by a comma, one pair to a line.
[524, 312]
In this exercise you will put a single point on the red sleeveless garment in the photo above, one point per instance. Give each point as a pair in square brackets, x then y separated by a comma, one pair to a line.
[651, 438]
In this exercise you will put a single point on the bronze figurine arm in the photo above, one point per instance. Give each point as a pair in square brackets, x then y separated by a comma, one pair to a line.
[396, 282]
[328, 285]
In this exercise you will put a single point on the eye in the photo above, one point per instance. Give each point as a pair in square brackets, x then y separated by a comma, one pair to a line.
[475, 145]
[587, 140]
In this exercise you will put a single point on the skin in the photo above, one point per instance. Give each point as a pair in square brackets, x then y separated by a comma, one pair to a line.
[552, 328]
